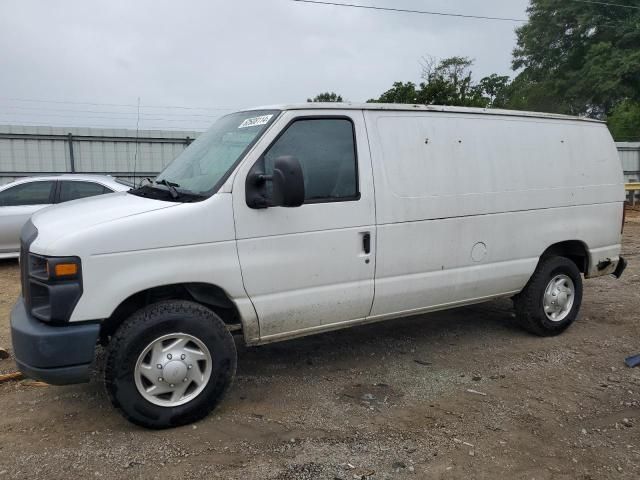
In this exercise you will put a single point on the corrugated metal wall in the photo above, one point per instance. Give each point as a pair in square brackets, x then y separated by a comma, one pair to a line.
[630, 156]
[29, 151]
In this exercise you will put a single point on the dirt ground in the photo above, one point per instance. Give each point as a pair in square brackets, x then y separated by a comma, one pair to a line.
[391, 400]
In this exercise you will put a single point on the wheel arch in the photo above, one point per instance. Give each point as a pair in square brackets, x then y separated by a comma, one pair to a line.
[575, 250]
[208, 295]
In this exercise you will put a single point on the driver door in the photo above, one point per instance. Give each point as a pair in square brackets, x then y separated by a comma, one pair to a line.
[311, 267]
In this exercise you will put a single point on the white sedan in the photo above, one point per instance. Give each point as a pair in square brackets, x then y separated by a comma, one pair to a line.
[20, 199]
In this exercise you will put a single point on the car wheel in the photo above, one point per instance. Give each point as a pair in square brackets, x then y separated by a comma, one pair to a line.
[551, 300]
[169, 364]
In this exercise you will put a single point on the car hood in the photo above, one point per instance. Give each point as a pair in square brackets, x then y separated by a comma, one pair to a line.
[65, 218]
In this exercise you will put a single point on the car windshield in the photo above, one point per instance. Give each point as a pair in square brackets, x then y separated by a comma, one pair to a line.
[207, 162]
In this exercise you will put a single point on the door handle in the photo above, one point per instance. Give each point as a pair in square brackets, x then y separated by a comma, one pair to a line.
[366, 242]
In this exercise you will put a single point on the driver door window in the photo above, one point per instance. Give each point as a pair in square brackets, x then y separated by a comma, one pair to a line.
[326, 150]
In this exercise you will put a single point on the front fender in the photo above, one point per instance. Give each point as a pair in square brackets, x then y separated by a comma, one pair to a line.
[109, 279]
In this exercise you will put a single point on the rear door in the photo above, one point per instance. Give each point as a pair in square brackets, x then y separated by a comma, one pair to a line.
[309, 267]
[17, 204]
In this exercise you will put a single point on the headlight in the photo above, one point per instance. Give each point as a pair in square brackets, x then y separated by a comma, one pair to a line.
[54, 287]
[54, 268]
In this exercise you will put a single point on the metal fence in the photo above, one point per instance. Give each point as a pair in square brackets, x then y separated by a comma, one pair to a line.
[630, 157]
[30, 151]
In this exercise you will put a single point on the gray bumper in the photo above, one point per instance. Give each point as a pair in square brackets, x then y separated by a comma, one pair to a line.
[54, 354]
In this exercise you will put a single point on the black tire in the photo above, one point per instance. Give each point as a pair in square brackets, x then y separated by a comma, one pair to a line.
[529, 303]
[142, 328]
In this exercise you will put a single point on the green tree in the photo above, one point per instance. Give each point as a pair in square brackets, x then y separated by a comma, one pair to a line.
[577, 58]
[326, 97]
[495, 91]
[450, 82]
[624, 121]
[400, 93]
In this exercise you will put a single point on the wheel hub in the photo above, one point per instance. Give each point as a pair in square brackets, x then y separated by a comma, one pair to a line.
[563, 298]
[558, 298]
[173, 369]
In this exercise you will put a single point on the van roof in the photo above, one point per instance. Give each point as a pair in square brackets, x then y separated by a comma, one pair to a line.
[420, 108]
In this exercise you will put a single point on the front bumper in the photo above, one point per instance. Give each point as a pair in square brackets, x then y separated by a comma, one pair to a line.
[58, 355]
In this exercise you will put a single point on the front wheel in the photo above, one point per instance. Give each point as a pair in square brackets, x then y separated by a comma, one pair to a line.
[169, 364]
[551, 300]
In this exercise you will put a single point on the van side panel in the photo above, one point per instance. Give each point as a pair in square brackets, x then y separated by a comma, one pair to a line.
[466, 204]
[437, 264]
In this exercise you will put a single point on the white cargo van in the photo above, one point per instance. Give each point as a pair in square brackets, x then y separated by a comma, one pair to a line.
[292, 220]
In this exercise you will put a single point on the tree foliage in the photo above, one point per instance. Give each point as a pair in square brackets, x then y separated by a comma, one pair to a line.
[496, 90]
[624, 121]
[400, 92]
[450, 82]
[326, 97]
[578, 58]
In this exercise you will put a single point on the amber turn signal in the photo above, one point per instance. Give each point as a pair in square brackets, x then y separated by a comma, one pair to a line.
[65, 270]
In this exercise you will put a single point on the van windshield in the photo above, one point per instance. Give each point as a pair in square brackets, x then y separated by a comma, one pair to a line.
[202, 168]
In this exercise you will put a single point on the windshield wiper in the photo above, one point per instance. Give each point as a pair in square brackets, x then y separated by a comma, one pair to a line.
[171, 186]
[172, 189]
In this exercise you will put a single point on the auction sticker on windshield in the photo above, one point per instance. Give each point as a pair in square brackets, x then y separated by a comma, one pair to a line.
[255, 121]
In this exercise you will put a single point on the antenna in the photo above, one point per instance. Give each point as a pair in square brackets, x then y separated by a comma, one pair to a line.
[135, 156]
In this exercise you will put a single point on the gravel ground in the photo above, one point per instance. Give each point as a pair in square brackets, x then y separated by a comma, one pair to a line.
[391, 400]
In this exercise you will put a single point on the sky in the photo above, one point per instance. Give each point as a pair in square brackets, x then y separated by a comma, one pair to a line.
[89, 63]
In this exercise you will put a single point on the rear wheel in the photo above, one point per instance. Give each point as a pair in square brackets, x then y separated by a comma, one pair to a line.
[169, 364]
[551, 300]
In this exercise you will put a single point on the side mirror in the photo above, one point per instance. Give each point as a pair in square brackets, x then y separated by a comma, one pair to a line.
[287, 185]
[288, 182]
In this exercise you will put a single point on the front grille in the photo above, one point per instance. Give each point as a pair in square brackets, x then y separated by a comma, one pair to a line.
[28, 235]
